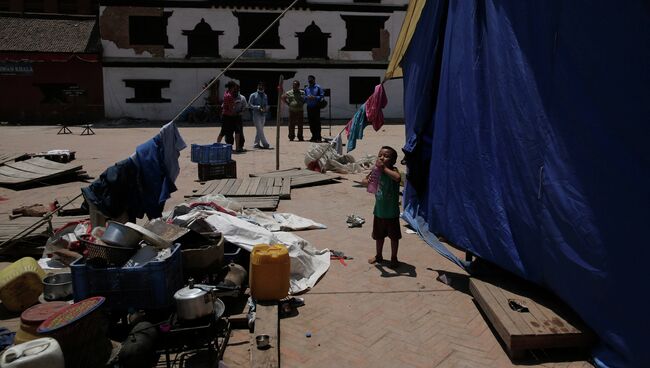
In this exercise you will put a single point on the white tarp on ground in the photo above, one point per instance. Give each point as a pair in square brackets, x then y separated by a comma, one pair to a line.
[307, 263]
[281, 221]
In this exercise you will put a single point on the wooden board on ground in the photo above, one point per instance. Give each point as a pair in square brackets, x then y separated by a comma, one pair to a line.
[526, 317]
[33, 170]
[299, 177]
[267, 322]
[245, 187]
[9, 228]
[31, 244]
[6, 157]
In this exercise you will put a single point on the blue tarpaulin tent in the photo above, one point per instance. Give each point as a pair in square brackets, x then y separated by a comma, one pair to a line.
[527, 128]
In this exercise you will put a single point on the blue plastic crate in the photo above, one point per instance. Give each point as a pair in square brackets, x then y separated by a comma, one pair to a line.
[150, 287]
[216, 153]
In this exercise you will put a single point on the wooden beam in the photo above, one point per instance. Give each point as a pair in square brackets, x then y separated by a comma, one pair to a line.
[267, 322]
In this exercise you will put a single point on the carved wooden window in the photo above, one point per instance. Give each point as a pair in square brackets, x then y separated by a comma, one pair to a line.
[362, 32]
[149, 30]
[312, 43]
[147, 90]
[202, 41]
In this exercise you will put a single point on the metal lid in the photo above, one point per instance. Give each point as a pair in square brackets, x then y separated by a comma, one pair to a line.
[40, 312]
[191, 293]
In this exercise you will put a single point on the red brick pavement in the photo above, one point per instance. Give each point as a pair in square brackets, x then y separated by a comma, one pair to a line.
[359, 315]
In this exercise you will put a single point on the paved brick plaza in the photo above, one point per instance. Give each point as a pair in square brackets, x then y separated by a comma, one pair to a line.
[358, 315]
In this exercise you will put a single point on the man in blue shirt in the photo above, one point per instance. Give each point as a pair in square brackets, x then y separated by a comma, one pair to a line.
[314, 94]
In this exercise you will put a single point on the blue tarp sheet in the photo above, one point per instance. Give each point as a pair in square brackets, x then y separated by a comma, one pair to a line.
[527, 128]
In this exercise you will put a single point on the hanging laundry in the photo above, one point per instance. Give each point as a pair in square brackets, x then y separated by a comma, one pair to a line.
[172, 145]
[374, 105]
[337, 143]
[355, 127]
[157, 162]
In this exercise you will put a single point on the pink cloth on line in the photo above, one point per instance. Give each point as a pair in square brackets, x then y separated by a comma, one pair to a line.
[374, 104]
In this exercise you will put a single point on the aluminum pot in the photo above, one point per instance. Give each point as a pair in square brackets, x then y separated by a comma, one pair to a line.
[197, 301]
[119, 235]
[57, 286]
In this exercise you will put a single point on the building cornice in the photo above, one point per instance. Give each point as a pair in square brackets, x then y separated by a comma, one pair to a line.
[128, 62]
[258, 4]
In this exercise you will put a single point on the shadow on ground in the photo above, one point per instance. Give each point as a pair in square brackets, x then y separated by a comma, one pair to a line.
[404, 269]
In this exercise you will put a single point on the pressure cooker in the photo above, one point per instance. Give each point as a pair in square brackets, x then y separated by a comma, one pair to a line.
[196, 301]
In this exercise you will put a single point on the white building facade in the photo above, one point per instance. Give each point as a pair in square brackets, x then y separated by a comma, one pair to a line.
[157, 55]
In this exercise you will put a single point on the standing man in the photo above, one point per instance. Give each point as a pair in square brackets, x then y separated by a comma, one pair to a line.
[239, 108]
[314, 94]
[258, 103]
[295, 98]
[229, 120]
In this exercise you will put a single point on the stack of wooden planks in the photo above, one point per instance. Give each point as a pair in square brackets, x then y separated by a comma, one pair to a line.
[299, 177]
[38, 170]
[263, 190]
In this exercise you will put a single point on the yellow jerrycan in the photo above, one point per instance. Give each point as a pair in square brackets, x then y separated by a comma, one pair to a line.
[270, 268]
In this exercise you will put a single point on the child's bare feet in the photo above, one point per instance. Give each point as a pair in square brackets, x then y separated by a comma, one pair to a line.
[394, 263]
[375, 259]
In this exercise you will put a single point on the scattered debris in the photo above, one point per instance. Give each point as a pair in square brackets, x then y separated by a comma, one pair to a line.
[33, 210]
[355, 221]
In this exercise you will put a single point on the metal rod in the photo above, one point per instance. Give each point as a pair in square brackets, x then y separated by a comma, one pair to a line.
[277, 123]
[234, 61]
[30, 229]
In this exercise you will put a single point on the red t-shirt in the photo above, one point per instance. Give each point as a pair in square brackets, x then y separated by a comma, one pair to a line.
[228, 103]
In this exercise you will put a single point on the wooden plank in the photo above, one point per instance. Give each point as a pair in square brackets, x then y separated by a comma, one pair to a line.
[219, 187]
[267, 322]
[269, 186]
[20, 174]
[43, 162]
[276, 172]
[539, 327]
[207, 188]
[253, 187]
[503, 309]
[227, 187]
[9, 228]
[285, 189]
[503, 325]
[8, 175]
[29, 167]
[234, 187]
[261, 188]
[7, 157]
[244, 187]
[277, 185]
[312, 179]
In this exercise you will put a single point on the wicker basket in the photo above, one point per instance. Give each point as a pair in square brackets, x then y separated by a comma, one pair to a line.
[112, 255]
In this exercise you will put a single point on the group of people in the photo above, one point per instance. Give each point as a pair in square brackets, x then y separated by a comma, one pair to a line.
[313, 96]
[235, 104]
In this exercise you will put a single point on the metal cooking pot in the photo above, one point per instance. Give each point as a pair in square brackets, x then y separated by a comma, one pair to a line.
[119, 235]
[57, 286]
[197, 301]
